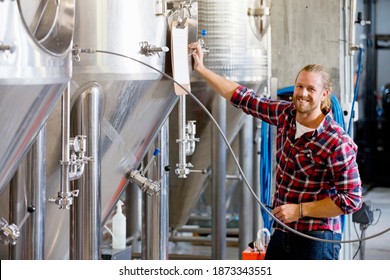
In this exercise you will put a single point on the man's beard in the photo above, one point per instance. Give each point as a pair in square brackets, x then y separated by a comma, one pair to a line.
[305, 106]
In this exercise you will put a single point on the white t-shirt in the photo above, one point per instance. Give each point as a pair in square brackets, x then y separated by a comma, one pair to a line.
[301, 129]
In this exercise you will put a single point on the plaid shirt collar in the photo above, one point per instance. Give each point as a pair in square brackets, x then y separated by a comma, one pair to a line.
[323, 125]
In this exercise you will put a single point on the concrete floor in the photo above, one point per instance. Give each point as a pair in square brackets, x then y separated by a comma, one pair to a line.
[377, 248]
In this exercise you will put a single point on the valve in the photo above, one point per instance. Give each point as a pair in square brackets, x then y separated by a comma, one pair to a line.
[202, 42]
[190, 137]
[78, 159]
[64, 199]
[76, 51]
[361, 21]
[7, 48]
[150, 50]
[9, 233]
[147, 185]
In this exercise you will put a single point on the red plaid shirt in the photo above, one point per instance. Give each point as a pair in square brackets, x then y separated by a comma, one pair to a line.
[319, 164]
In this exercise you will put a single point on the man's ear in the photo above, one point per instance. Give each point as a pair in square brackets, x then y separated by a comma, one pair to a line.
[325, 93]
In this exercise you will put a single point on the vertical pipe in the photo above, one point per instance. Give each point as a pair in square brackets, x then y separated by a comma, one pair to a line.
[257, 218]
[38, 193]
[28, 188]
[151, 218]
[352, 12]
[150, 227]
[16, 211]
[164, 192]
[246, 199]
[218, 181]
[86, 226]
[182, 131]
[347, 82]
[65, 136]
[133, 211]
[371, 61]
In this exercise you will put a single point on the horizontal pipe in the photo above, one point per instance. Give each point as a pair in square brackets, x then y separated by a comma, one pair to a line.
[230, 231]
[198, 239]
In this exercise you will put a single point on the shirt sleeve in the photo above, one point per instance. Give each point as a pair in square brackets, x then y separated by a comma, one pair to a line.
[344, 168]
[260, 107]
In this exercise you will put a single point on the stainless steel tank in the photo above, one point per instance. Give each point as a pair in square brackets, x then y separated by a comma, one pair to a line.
[35, 66]
[135, 100]
[238, 50]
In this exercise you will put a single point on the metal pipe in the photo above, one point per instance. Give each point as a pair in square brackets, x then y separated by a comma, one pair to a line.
[182, 130]
[150, 222]
[246, 199]
[133, 212]
[64, 192]
[27, 193]
[352, 13]
[86, 226]
[182, 168]
[16, 186]
[38, 193]
[257, 218]
[164, 192]
[199, 239]
[218, 251]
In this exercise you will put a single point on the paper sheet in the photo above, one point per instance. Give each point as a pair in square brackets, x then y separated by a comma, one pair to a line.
[179, 54]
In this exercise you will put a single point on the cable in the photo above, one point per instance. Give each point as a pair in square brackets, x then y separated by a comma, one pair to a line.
[337, 111]
[232, 152]
[360, 242]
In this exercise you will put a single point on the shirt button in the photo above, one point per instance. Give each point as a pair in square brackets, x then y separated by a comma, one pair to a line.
[308, 155]
[281, 176]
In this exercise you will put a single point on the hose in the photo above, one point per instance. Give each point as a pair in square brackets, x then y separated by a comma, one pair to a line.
[232, 152]
[266, 170]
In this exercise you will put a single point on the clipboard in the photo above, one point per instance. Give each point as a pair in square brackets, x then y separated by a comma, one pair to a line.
[179, 57]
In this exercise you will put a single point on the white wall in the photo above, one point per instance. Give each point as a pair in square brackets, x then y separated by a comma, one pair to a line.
[305, 32]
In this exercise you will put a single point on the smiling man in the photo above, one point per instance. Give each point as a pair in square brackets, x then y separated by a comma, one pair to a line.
[317, 177]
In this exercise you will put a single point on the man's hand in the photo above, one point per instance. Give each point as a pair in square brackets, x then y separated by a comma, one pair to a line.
[287, 213]
[197, 55]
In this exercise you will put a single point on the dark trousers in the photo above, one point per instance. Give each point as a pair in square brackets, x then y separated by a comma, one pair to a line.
[290, 246]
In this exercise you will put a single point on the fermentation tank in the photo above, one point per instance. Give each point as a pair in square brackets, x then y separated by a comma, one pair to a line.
[238, 50]
[133, 102]
[99, 55]
[35, 66]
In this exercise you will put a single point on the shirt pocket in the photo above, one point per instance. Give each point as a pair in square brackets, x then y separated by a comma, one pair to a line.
[305, 163]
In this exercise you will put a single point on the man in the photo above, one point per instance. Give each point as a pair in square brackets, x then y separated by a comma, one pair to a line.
[317, 177]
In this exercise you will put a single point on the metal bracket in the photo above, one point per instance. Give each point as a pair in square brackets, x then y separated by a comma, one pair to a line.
[179, 11]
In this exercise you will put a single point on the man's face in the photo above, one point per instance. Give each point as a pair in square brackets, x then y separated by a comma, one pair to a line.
[309, 92]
